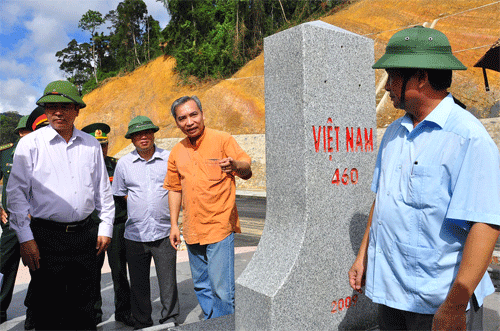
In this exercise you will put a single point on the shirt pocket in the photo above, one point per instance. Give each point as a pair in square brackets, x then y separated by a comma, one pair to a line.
[424, 186]
[213, 169]
[415, 268]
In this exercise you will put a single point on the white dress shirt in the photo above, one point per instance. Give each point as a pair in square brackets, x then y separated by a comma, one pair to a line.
[147, 201]
[59, 181]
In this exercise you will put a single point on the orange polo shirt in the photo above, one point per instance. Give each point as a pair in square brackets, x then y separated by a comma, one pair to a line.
[208, 194]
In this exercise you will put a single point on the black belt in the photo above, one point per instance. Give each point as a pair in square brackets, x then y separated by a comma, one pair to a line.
[63, 227]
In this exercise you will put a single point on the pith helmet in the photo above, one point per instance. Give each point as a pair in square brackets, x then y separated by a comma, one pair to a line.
[37, 119]
[420, 48]
[140, 123]
[99, 131]
[61, 91]
[22, 124]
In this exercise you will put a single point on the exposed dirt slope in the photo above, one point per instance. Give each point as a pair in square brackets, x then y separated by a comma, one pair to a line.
[237, 104]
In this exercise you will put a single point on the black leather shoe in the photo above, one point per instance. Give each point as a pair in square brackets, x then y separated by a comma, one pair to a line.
[125, 319]
[29, 323]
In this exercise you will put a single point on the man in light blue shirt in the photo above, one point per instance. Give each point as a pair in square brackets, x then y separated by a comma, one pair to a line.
[435, 220]
[139, 178]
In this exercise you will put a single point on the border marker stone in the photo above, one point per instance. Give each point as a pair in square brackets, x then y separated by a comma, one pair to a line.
[320, 155]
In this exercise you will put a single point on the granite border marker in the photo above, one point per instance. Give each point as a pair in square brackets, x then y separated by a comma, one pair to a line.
[320, 143]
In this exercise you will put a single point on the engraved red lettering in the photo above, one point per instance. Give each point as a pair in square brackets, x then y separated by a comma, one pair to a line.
[345, 180]
[316, 139]
[341, 304]
[324, 139]
[359, 140]
[349, 139]
[348, 302]
[334, 305]
[330, 138]
[354, 175]
[336, 177]
[368, 141]
[337, 129]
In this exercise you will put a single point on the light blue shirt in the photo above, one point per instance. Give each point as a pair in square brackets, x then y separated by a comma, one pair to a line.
[431, 182]
[147, 201]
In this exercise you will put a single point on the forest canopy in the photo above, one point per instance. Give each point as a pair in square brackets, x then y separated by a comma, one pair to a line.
[208, 38]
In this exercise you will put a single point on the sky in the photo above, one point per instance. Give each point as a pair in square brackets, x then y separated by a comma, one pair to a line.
[32, 31]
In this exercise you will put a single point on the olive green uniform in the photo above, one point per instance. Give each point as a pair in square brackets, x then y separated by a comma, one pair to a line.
[9, 245]
[116, 255]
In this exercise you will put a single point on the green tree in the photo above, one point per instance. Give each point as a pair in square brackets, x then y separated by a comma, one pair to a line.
[90, 21]
[75, 61]
[8, 123]
[216, 37]
[127, 36]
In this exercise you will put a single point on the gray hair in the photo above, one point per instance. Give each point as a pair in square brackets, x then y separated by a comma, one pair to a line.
[183, 100]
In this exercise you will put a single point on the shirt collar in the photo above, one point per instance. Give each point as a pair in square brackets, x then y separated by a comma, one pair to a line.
[438, 116]
[199, 140]
[156, 155]
[51, 133]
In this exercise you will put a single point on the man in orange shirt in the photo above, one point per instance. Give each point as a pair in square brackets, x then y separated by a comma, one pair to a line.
[201, 174]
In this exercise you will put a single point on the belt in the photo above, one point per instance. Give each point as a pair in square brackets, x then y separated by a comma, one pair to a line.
[63, 227]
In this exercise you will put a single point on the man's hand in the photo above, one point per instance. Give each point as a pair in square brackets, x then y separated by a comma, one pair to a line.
[30, 254]
[357, 275]
[449, 317]
[175, 237]
[228, 165]
[102, 244]
[4, 216]
[241, 168]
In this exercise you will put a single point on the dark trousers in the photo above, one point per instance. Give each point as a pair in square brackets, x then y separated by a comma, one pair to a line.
[139, 261]
[118, 263]
[395, 319]
[64, 284]
[9, 264]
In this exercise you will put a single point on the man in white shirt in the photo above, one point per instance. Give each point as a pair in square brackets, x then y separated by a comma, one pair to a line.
[59, 177]
[139, 177]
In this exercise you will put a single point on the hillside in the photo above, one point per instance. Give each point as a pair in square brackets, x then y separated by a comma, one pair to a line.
[237, 104]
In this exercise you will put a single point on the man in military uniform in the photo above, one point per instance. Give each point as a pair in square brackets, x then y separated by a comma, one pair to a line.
[9, 245]
[116, 251]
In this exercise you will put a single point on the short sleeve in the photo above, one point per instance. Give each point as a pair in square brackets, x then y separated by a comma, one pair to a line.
[172, 180]
[476, 192]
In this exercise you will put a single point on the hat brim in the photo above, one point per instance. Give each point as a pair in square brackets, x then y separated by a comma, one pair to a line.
[419, 61]
[131, 131]
[56, 98]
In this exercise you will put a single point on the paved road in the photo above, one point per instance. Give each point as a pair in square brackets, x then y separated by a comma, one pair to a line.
[252, 211]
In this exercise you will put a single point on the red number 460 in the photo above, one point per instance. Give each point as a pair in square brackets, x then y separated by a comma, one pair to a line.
[345, 178]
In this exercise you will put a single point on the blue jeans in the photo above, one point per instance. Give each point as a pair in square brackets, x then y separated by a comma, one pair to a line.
[212, 269]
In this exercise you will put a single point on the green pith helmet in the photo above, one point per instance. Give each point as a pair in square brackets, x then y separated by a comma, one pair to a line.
[420, 48]
[140, 123]
[61, 91]
[99, 131]
[22, 124]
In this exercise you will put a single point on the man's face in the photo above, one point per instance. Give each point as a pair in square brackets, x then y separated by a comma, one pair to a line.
[190, 119]
[393, 86]
[61, 116]
[143, 140]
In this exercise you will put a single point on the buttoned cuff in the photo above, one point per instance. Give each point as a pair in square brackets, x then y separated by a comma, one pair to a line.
[105, 230]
